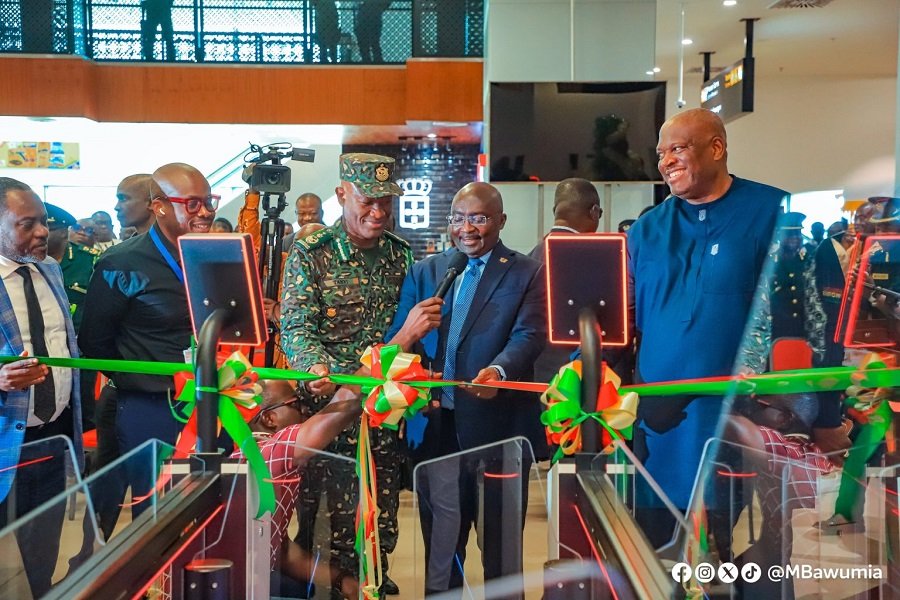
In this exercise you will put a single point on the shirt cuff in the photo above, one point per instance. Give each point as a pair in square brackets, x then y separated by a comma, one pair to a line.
[500, 371]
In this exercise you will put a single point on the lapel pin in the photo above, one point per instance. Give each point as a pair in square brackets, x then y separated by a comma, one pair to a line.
[504, 260]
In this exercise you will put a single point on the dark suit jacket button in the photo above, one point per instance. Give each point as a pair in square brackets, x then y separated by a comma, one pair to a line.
[20, 426]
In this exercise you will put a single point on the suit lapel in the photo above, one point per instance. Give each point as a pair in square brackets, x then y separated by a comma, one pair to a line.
[494, 272]
[8, 324]
[62, 300]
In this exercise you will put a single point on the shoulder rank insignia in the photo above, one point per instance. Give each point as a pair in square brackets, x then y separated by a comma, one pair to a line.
[331, 312]
[315, 239]
[396, 238]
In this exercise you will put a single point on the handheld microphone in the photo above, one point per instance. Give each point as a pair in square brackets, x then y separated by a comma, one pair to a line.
[458, 262]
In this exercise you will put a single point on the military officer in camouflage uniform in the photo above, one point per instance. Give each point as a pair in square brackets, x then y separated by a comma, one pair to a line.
[77, 266]
[341, 287]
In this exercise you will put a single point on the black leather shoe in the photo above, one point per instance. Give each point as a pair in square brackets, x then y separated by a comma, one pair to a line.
[388, 587]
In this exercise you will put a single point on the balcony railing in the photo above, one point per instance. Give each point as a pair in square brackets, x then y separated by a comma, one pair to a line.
[245, 31]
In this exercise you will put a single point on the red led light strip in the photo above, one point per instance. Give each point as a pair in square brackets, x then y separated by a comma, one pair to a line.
[27, 463]
[596, 554]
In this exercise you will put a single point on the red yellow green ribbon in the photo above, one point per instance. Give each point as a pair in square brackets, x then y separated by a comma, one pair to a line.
[615, 412]
[393, 399]
[239, 399]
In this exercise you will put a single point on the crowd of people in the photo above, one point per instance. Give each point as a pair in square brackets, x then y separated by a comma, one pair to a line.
[702, 266]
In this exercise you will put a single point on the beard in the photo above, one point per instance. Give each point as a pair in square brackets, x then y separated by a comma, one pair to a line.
[8, 249]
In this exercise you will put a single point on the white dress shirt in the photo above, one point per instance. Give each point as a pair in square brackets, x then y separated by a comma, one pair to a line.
[55, 335]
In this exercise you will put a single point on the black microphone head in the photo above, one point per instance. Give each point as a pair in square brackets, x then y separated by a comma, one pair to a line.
[458, 262]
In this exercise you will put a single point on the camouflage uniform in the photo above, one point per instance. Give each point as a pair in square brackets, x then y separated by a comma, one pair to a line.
[334, 306]
[77, 265]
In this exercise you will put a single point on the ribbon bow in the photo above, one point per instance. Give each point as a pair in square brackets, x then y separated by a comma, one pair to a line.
[563, 418]
[392, 399]
[239, 399]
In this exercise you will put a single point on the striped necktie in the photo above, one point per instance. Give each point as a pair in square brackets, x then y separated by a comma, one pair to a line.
[461, 304]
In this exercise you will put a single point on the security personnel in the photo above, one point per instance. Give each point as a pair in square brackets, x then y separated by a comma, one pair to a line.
[341, 288]
[788, 287]
[77, 265]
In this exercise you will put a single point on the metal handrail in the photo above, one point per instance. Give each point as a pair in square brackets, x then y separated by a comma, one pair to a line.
[241, 31]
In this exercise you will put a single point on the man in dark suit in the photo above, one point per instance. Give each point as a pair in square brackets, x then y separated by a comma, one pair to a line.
[36, 402]
[490, 328]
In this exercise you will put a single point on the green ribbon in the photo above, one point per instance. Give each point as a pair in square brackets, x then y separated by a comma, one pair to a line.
[229, 378]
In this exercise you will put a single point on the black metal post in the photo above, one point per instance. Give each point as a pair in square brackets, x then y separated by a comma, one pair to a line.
[707, 57]
[591, 346]
[207, 378]
[748, 37]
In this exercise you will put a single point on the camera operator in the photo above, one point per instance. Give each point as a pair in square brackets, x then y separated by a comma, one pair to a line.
[267, 181]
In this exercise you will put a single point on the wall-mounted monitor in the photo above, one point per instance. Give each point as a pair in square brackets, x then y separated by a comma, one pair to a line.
[551, 131]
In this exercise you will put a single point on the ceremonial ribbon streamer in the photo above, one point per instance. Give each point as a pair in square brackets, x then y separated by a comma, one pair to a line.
[394, 391]
[615, 412]
[871, 409]
[239, 399]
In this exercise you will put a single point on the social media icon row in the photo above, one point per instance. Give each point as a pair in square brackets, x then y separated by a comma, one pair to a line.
[705, 572]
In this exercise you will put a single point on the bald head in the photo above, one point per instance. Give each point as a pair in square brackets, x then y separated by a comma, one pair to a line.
[485, 192]
[693, 155]
[308, 209]
[701, 120]
[133, 196]
[577, 205]
[184, 183]
[473, 203]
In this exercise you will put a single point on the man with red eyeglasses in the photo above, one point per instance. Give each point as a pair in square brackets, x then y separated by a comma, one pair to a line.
[136, 309]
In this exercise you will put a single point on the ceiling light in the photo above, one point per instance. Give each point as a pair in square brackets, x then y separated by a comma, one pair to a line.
[649, 72]
[656, 69]
[431, 136]
[729, 2]
[687, 42]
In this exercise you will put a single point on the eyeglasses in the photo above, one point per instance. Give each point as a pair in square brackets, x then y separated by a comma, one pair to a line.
[82, 229]
[192, 204]
[474, 220]
[293, 403]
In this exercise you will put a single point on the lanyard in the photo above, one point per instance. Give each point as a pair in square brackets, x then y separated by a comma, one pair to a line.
[167, 256]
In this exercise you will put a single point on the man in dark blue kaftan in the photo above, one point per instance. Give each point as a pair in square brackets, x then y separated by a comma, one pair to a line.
[695, 261]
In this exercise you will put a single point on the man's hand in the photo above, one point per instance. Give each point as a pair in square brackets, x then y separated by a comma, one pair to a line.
[22, 374]
[484, 376]
[272, 310]
[422, 318]
[320, 387]
[833, 441]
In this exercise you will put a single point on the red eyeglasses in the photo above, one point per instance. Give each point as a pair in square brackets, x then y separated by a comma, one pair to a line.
[193, 204]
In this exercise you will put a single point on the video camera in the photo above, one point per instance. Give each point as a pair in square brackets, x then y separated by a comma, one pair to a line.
[264, 171]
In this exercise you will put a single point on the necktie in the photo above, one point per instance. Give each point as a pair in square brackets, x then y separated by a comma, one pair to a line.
[44, 392]
[461, 305]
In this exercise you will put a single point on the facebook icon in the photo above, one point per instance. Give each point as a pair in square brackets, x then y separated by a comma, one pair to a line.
[681, 572]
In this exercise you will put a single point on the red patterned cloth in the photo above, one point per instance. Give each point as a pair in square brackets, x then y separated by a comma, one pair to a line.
[799, 462]
[278, 450]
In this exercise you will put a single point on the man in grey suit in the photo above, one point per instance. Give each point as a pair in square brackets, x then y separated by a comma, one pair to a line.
[36, 402]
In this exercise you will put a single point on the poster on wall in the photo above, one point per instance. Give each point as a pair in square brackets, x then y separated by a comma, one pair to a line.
[40, 155]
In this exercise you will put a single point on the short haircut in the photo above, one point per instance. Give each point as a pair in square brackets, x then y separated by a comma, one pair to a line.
[804, 406]
[8, 184]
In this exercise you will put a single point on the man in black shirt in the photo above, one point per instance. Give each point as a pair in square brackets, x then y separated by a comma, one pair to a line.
[136, 309]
